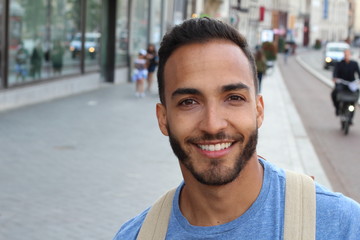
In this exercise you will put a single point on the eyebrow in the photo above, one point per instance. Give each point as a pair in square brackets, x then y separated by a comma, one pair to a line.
[233, 87]
[225, 88]
[185, 91]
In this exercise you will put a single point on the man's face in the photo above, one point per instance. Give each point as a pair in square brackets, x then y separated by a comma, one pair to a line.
[211, 112]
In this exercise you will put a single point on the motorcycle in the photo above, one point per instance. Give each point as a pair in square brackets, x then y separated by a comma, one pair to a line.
[347, 99]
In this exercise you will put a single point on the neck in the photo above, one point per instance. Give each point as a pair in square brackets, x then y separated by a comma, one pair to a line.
[204, 205]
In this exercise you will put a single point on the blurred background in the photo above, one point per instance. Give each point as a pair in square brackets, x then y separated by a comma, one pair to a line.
[72, 38]
[80, 154]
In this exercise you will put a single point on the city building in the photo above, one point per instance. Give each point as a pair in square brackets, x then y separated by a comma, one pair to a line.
[53, 48]
[329, 20]
[356, 28]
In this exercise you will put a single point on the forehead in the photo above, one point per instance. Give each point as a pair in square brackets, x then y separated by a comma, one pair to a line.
[218, 62]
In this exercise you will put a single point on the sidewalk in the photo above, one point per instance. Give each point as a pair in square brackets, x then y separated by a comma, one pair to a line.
[283, 139]
[79, 167]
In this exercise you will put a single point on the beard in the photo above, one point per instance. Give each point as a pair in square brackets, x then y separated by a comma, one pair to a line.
[215, 174]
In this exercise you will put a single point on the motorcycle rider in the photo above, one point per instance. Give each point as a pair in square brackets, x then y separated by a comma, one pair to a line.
[345, 71]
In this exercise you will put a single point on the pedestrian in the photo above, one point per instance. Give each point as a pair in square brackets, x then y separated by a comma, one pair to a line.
[140, 73]
[286, 52]
[211, 111]
[21, 60]
[56, 55]
[152, 64]
[36, 60]
[261, 66]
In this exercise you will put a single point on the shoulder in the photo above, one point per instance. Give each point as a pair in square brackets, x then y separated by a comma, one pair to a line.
[337, 213]
[355, 63]
[131, 228]
[336, 202]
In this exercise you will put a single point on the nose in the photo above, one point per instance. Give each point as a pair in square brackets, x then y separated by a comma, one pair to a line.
[213, 119]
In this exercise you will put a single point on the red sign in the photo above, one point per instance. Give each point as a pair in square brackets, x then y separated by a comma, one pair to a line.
[262, 13]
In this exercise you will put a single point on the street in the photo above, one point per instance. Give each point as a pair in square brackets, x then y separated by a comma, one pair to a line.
[339, 154]
[78, 167]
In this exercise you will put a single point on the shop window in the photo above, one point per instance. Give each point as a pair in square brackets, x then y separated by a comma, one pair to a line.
[93, 34]
[39, 39]
[122, 33]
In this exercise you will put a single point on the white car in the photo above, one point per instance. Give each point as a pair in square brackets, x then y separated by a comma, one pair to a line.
[334, 53]
[92, 41]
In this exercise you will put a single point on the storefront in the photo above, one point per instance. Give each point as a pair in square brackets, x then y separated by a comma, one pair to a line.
[45, 40]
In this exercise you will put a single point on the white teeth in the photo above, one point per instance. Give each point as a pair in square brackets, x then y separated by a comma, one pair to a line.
[215, 147]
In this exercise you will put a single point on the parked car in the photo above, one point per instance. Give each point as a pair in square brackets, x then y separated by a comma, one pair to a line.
[92, 42]
[334, 53]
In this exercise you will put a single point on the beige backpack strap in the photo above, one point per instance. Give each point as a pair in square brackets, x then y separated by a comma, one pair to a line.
[300, 207]
[156, 221]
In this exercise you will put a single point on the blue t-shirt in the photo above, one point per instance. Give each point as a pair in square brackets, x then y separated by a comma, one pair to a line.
[337, 217]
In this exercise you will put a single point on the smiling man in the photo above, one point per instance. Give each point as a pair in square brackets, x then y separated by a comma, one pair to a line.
[211, 111]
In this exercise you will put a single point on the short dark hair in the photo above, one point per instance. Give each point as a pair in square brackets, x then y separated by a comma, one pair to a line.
[199, 30]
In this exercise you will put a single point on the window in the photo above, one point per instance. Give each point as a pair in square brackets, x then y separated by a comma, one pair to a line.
[122, 33]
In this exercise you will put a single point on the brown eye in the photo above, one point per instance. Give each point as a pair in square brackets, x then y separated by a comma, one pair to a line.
[235, 98]
[188, 102]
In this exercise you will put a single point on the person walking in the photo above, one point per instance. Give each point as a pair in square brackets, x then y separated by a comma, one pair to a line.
[152, 58]
[287, 52]
[21, 61]
[140, 73]
[261, 66]
[36, 60]
[57, 55]
[210, 110]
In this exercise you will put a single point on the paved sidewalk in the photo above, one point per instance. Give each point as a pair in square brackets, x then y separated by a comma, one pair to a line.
[78, 167]
[283, 139]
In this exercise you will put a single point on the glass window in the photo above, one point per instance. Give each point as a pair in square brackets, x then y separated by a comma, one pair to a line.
[155, 35]
[1, 44]
[39, 38]
[93, 34]
[27, 34]
[139, 26]
[122, 31]
[63, 55]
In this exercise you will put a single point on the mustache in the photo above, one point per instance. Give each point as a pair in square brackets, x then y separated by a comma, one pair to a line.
[214, 137]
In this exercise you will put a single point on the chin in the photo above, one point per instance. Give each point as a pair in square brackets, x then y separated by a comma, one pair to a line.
[216, 174]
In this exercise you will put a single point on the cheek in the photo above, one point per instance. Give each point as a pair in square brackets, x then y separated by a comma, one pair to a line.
[182, 124]
[245, 118]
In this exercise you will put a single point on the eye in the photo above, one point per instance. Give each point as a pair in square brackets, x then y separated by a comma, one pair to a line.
[187, 102]
[235, 98]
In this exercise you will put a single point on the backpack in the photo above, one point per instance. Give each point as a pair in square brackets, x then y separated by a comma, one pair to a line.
[300, 211]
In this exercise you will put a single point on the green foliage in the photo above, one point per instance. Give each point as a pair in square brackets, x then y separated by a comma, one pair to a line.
[317, 44]
[202, 15]
[74, 13]
[34, 17]
[281, 45]
[269, 50]
[94, 15]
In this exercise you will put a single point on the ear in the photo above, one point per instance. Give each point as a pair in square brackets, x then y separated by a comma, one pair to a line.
[259, 110]
[161, 117]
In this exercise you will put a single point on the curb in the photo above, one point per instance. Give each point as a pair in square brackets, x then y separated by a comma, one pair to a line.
[303, 143]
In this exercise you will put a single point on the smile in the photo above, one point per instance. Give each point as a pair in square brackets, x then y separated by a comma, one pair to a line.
[214, 147]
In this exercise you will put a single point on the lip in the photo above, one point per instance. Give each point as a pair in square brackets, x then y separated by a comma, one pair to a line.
[216, 153]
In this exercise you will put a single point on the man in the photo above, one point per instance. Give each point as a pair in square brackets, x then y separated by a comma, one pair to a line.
[344, 71]
[211, 110]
